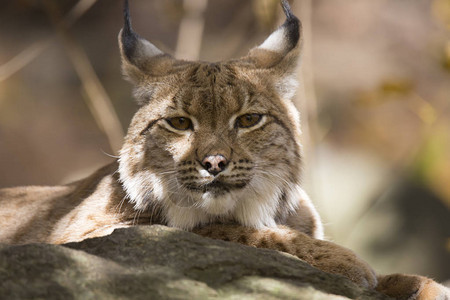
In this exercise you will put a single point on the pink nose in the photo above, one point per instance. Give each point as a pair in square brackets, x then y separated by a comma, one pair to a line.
[214, 164]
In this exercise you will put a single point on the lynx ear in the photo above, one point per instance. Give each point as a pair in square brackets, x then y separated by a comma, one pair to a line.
[282, 47]
[140, 58]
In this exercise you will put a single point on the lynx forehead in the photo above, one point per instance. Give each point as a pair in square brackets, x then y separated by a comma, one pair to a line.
[214, 141]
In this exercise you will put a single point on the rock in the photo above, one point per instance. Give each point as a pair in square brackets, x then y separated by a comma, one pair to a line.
[157, 262]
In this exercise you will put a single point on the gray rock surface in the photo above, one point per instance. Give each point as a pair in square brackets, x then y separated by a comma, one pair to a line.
[157, 262]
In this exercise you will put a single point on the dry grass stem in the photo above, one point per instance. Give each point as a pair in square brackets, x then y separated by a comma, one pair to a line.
[22, 59]
[32, 52]
[98, 100]
[190, 34]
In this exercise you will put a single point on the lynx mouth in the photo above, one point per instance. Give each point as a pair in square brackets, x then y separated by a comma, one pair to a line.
[217, 187]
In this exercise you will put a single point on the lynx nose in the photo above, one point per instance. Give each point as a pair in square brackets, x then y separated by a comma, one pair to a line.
[214, 164]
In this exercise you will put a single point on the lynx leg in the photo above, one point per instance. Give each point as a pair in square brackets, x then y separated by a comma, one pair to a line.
[306, 219]
[411, 287]
[323, 255]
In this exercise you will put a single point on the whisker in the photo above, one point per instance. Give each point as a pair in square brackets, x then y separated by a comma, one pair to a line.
[110, 155]
[271, 174]
[118, 207]
[138, 213]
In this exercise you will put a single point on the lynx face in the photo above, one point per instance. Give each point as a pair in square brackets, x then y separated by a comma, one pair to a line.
[213, 141]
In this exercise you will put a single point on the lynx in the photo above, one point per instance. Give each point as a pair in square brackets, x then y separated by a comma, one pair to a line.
[215, 149]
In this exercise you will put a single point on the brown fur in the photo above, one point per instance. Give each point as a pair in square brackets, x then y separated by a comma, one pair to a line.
[256, 199]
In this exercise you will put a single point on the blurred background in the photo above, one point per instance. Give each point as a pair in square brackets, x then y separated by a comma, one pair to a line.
[374, 99]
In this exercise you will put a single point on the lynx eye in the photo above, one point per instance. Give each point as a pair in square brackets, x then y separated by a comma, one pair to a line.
[248, 120]
[180, 123]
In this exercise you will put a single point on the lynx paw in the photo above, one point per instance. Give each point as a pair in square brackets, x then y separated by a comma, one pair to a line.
[335, 259]
[411, 287]
[323, 255]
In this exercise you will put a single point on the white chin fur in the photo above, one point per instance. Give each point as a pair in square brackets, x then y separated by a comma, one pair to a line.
[141, 197]
[217, 205]
[257, 207]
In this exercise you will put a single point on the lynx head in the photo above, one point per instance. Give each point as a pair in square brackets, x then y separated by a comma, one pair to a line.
[213, 141]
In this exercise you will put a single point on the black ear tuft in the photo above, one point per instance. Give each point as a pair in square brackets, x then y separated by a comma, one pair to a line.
[126, 16]
[286, 9]
[129, 38]
[292, 25]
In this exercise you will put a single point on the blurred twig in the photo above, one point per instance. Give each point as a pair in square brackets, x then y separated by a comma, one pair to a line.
[29, 54]
[22, 59]
[98, 100]
[190, 34]
[77, 11]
